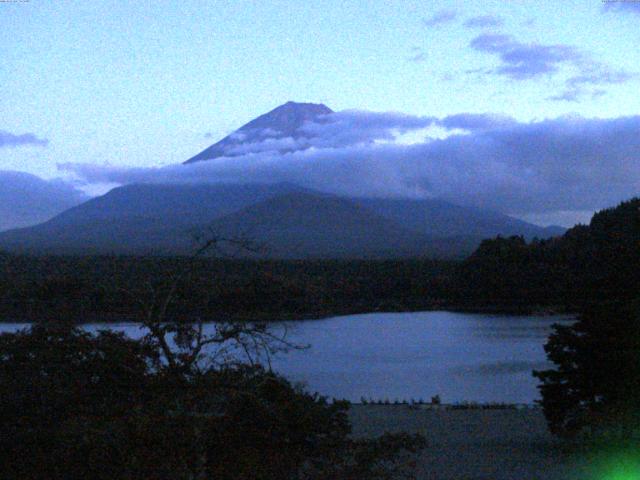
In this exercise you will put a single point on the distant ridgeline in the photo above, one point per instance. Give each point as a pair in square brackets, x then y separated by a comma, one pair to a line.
[291, 221]
[588, 264]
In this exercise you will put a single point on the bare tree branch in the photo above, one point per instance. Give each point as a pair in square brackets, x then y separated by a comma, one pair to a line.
[183, 344]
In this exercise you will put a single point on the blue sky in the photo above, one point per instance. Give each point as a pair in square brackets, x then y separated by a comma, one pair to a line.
[152, 83]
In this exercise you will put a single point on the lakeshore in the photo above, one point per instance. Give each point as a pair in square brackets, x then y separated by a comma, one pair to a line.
[477, 443]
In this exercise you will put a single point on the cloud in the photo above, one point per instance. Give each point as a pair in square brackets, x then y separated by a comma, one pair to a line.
[333, 130]
[568, 95]
[526, 61]
[521, 61]
[599, 75]
[628, 6]
[417, 55]
[26, 199]
[270, 132]
[238, 136]
[8, 139]
[484, 21]
[565, 164]
[353, 127]
[563, 218]
[577, 86]
[475, 121]
[440, 17]
[576, 94]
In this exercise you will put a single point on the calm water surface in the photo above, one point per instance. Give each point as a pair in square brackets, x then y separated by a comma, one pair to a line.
[461, 357]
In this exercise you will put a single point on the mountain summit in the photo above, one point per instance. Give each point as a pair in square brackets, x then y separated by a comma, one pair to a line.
[266, 131]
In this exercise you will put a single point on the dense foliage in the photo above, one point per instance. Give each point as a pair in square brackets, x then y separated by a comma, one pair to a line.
[596, 383]
[104, 288]
[598, 261]
[77, 405]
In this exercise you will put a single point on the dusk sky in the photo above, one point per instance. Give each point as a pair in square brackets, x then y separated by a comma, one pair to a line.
[112, 85]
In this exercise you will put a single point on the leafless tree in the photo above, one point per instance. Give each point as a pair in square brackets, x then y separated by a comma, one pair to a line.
[185, 345]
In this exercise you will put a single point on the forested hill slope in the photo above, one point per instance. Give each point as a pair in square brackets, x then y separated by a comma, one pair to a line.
[589, 263]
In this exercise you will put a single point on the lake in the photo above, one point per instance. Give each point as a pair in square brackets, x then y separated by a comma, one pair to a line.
[461, 357]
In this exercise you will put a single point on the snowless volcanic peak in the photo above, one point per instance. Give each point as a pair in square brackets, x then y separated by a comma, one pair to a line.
[282, 122]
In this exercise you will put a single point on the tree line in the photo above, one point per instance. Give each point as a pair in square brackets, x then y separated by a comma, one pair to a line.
[593, 390]
[585, 265]
[108, 288]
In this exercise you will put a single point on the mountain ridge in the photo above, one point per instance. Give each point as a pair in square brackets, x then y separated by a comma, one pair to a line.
[159, 219]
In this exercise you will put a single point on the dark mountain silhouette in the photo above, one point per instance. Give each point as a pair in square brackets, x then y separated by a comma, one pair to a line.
[281, 122]
[138, 219]
[183, 204]
[293, 222]
[311, 225]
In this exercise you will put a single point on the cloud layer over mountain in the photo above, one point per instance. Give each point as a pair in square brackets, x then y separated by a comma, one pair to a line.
[26, 199]
[489, 161]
